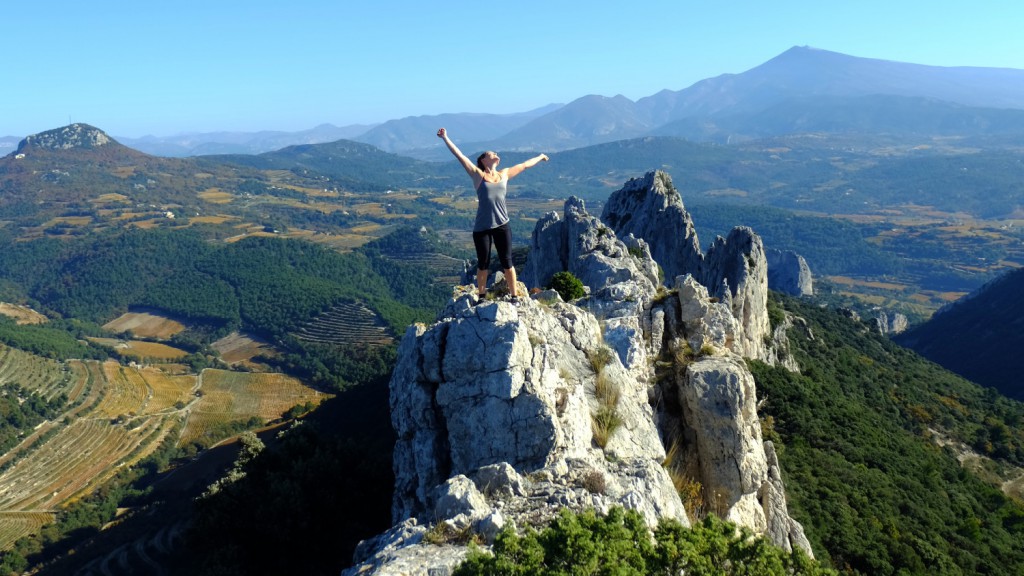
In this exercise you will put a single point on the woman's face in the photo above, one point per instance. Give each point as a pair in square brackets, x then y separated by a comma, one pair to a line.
[490, 159]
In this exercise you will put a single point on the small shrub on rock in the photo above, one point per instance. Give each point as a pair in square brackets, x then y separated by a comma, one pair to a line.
[567, 285]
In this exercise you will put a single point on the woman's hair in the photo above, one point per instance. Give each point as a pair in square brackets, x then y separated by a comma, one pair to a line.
[479, 159]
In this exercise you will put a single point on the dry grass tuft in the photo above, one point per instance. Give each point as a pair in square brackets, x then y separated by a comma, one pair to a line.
[600, 358]
[603, 424]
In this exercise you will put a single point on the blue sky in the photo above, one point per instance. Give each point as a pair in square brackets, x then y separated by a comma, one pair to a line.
[164, 68]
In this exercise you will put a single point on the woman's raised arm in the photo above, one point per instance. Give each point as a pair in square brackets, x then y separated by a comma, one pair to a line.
[471, 168]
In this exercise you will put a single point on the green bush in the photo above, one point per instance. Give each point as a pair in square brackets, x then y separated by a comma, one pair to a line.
[621, 544]
[567, 285]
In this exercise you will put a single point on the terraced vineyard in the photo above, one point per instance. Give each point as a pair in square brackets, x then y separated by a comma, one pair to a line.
[115, 416]
[127, 391]
[241, 348]
[347, 323]
[81, 455]
[167, 391]
[15, 525]
[237, 397]
[48, 378]
[445, 269]
[142, 556]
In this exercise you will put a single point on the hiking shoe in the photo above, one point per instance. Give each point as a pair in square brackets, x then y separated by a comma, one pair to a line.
[515, 300]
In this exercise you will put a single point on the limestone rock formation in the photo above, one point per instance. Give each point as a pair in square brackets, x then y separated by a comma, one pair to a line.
[735, 269]
[740, 473]
[650, 207]
[890, 322]
[789, 273]
[548, 251]
[505, 413]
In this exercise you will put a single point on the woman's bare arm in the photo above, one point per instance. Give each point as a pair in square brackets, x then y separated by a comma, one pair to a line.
[470, 168]
[518, 168]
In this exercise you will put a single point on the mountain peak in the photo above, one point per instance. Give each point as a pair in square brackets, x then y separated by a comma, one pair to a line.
[73, 136]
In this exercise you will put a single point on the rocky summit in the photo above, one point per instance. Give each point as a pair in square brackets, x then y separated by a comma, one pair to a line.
[66, 138]
[507, 412]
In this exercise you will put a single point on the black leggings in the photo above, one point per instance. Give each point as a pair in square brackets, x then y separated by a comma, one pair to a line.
[502, 239]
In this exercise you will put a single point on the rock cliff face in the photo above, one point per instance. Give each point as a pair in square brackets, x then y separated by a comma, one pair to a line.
[789, 273]
[506, 413]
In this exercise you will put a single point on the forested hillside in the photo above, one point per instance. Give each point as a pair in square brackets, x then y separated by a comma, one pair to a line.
[979, 336]
[892, 464]
[264, 285]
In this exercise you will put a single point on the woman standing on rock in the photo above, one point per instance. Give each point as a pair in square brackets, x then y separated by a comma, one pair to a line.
[492, 221]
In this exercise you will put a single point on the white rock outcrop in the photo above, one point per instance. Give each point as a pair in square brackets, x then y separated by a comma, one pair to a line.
[734, 270]
[497, 406]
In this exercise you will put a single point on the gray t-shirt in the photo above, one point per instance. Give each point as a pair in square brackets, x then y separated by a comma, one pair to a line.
[491, 211]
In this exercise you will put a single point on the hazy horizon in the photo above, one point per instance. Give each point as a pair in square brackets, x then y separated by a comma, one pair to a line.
[194, 67]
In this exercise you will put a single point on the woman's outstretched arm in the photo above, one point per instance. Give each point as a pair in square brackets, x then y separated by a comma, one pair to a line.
[518, 168]
[471, 168]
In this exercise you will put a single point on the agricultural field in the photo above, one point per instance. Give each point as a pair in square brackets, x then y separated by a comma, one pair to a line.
[46, 377]
[219, 219]
[15, 525]
[109, 198]
[145, 325]
[886, 295]
[238, 348]
[134, 391]
[141, 350]
[117, 415]
[21, 314]
[216, 196]
[233, 398]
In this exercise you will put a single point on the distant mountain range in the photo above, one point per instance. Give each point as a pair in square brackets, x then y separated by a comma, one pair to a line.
[803, 90]
[198, 144]
[8, 144]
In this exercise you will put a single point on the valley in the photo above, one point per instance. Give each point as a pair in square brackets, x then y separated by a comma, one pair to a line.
[113, 417]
